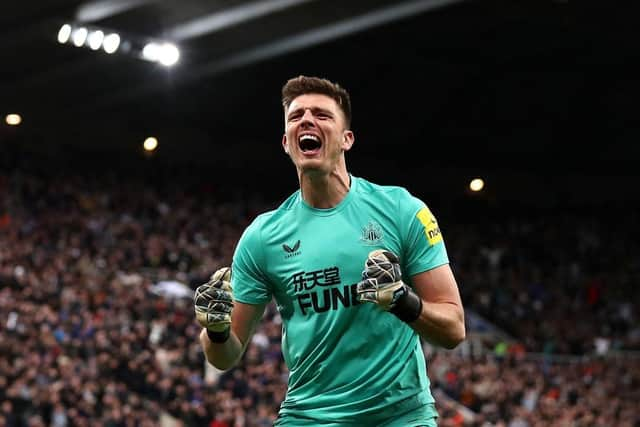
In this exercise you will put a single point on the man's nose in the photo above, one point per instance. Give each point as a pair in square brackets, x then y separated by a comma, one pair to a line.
[307, 117]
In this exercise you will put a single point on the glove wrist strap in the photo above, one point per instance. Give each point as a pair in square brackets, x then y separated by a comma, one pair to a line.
[219, 337]
[408, 307]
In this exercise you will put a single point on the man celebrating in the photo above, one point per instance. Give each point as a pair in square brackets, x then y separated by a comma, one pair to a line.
[350, 337]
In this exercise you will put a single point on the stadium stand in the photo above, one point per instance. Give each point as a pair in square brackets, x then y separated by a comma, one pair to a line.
[88, 340]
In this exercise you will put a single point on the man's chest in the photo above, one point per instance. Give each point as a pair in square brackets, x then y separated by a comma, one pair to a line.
[323, 257]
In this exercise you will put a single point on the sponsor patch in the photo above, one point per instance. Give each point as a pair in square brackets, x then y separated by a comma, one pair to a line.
[431, 229]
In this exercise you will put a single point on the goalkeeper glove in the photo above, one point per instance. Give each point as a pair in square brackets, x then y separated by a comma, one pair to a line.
[382, 284]
[213, 305]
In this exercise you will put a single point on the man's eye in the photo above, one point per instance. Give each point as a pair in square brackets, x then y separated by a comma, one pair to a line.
[324, 116]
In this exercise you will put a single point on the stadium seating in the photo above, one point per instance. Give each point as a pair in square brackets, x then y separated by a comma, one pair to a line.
[85, 341]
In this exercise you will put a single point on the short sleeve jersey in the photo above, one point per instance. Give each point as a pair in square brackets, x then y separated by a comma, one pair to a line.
[349, 362]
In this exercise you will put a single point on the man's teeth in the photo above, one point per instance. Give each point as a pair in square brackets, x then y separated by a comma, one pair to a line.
[309, 142]
[312, 137]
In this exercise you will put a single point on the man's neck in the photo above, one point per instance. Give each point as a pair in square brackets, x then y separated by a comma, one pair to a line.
[324, 191]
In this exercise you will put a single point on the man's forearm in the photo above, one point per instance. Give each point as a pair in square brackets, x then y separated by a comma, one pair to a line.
[441, 324]
[221, 355]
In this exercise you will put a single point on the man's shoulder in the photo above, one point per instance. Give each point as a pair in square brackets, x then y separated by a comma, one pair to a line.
[401, 199]
[276, 215]
[371, 189]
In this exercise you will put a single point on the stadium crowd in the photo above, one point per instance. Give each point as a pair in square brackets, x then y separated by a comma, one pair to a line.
[85, 341]
[517, 391]
[562, 283]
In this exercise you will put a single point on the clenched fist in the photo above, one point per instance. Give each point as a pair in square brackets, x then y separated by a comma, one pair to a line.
[214, 303]
[382, 285]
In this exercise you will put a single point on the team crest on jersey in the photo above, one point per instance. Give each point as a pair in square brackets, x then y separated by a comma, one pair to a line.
[372, 234]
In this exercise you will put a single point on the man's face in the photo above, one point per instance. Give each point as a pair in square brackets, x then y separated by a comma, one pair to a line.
[315, 133]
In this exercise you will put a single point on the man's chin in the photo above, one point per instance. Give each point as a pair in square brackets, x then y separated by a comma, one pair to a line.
[310, 162]
[312, 166]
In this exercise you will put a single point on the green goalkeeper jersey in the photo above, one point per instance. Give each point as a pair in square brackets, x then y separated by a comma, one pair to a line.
[349, 362]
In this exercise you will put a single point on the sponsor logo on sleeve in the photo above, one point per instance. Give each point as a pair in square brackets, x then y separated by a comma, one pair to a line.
[431, 229]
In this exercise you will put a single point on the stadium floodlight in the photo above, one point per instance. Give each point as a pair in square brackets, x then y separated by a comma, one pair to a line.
[166, 54]
[111, 43]
[79, 36]
[95, 39]
[476, 184]
[151, 51]
[150, 144]
[64, 33]
[13, 119]
[169, 54]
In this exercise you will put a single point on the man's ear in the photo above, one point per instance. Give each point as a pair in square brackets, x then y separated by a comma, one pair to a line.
[348, 138]
[285, 144]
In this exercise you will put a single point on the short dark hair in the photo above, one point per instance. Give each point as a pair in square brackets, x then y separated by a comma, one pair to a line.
[303, 85]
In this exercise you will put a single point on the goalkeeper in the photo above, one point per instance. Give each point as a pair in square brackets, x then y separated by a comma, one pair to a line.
[350, 338]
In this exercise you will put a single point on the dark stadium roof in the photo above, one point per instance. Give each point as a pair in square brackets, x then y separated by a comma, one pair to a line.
[464, 83]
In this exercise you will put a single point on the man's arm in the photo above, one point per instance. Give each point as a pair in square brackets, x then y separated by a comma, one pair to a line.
[441, 319]
[434, 309]
[244, 320]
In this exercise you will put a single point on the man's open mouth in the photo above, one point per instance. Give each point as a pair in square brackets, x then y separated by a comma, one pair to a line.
[309, 143]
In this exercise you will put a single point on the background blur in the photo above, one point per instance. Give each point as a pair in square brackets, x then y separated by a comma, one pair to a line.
[101, 241]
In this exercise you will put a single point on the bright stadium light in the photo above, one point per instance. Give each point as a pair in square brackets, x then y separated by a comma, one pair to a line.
[64, 33]
[111, 43]
[79, 36]
[169, 54]
[151, 51]
[476, 184]
[150, 144]
[166, 53]
[13, 119]
[95, 39]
